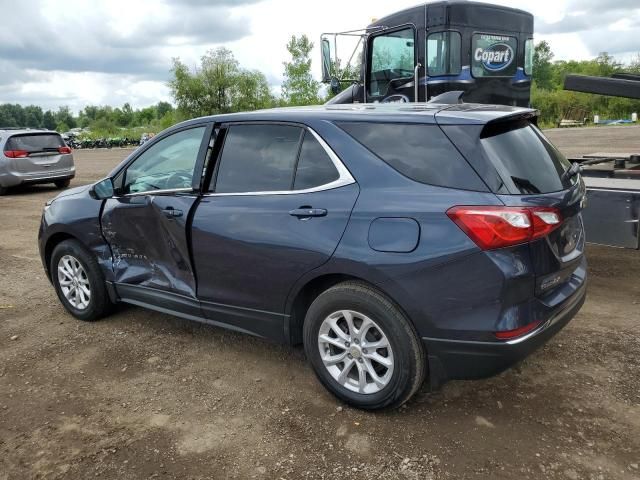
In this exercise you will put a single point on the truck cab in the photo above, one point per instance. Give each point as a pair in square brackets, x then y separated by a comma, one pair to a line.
[421, 52]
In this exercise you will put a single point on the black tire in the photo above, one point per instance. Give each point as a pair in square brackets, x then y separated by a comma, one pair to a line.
[99, 304]
[410, 365]
[62, 183]
[3, 190]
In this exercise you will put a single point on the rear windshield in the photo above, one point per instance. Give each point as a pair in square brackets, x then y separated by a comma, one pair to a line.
[525, 160]
[421, 152]
[40, 142]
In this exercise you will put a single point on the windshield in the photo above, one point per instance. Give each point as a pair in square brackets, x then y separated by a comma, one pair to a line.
[526, 161]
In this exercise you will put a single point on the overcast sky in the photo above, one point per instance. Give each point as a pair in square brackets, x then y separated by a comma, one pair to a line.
[79, 52]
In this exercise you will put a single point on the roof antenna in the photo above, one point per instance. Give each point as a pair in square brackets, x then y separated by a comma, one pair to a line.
[448, 98]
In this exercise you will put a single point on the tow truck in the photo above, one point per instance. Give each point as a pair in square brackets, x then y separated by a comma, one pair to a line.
[444, 51]
[416, 54]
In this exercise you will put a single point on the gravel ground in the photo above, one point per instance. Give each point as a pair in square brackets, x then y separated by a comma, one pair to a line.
[146, 395]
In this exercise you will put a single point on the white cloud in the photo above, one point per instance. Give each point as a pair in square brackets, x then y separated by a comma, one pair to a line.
[79, 52]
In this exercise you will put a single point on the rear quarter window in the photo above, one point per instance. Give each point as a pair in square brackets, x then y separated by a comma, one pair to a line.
[35, 143]
[418, 151]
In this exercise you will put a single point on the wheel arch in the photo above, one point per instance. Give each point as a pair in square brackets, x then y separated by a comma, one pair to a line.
[309, 291]
[52, 242]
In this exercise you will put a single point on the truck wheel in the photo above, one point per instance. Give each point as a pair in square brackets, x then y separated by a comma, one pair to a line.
[62, 183]
[362, 347]
[79, 282]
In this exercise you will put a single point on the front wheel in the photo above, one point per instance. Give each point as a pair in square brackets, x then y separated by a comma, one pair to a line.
[62, 183]
[362, 347]
[79, 282]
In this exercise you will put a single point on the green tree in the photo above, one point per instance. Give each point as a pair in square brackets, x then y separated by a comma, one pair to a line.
[220, 85]
[163, 108]
[49, 120]
[33, 116]
[65, 117]
[299, 86]
[542, 68]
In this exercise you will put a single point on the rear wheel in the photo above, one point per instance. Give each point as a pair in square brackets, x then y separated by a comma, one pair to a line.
[362, 347]
[62, 183]
[79, 282]
[3, 190]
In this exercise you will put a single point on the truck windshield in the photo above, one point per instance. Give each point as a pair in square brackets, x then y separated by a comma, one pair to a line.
[392, 57]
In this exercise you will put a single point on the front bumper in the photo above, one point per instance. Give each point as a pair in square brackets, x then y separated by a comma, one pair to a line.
[466, 360]
[13, 179]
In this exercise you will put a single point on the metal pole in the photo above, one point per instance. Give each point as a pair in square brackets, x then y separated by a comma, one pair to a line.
[416, 73]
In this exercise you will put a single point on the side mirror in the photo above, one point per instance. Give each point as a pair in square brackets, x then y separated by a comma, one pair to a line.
[102, 190]
[334, 85]
[326, 60]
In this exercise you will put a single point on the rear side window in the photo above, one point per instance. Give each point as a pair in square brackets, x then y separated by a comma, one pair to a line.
[525, 160]
[420, 152]
[315, 168]
[33, 143]
[443, 53]
[258, 158]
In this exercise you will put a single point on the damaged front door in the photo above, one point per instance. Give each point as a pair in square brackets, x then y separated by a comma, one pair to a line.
[146, 222]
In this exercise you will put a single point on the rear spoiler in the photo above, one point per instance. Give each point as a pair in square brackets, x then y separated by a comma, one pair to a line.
[478, 114]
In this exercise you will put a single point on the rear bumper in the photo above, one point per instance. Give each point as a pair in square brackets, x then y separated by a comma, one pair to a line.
[13, 179]
[466, 360]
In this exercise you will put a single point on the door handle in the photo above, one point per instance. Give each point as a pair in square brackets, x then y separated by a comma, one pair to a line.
[171, 212]
[308, 212]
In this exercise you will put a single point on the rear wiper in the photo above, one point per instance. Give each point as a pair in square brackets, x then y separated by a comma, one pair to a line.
[524, 184]
[571, 172]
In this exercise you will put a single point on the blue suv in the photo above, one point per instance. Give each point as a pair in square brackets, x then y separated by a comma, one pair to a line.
[397, 242]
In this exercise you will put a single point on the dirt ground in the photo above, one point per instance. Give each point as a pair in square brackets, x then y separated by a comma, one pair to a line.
[146, 395]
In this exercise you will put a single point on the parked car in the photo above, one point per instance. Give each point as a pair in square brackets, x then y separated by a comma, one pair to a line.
[34, 156]
[396, 242]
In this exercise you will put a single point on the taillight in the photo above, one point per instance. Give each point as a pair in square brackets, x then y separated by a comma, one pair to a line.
[64, 150]
[497, 227]
[516, 332]
[16, 153]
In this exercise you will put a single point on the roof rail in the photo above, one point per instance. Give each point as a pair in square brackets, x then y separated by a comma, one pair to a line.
[448, 98]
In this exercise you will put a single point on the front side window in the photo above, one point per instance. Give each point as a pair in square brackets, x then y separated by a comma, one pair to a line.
[528, 56]
[392, 57]
[493, 55]
[443, 53]
[167, 165]
[258, 158]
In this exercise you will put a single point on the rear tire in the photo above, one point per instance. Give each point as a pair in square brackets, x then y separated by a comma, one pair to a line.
[62, 183]
[3, 190]
[79, 282]
[345, 329]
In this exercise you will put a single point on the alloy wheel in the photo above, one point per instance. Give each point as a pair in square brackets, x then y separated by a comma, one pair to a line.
[355, 351]
[74, 282]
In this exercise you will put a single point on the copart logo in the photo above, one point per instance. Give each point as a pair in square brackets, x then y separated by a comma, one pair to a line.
[495, 57]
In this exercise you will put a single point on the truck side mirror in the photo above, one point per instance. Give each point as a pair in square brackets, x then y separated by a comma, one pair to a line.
[326, 60]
